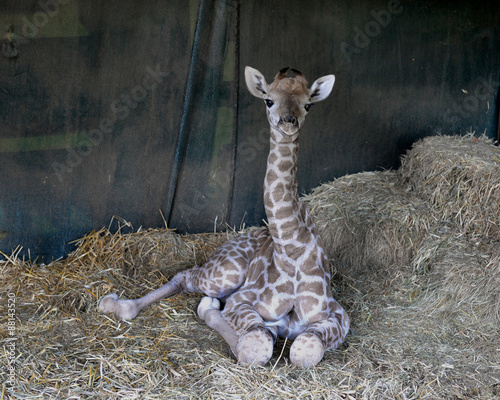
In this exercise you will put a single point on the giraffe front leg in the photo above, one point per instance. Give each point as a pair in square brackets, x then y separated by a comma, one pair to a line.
[255, 347]
[255, 342]
[252, 347]
[308, 348]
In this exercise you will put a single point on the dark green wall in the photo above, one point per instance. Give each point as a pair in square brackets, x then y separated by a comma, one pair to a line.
[130, 108]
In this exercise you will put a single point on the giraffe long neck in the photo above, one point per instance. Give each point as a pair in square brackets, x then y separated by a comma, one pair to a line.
[281, 201]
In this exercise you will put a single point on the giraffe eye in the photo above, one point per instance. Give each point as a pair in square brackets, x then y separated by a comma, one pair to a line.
[269, 103]
[308, 106]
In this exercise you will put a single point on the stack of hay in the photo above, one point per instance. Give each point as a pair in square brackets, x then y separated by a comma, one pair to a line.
[429, 230]
[406, 247]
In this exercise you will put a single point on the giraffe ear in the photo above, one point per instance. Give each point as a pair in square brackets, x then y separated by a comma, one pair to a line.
[321, 88]
[256, 82]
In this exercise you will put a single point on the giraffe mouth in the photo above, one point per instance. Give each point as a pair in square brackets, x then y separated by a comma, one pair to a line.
[287, 128]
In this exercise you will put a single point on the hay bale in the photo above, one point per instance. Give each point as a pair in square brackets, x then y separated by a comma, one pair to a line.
[458, 280]
[389, 239]
[66, 349]
[369, 224]
[403, 263]
[460, 177]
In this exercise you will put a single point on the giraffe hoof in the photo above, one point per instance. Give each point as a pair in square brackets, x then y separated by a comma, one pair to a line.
[307, 350]
[125, 309]
[108, 303]
[207, 303]
[255, 347]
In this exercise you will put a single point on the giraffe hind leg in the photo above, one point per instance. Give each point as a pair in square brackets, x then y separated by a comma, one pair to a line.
[129, 308]
[196, 279]
[221, 275]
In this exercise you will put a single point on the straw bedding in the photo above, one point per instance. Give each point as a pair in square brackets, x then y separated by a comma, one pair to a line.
[415, 260]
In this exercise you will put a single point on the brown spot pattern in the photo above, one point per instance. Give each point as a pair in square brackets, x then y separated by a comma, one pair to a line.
[281, 272]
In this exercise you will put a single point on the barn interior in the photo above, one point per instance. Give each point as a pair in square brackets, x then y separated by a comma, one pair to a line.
[131, 148]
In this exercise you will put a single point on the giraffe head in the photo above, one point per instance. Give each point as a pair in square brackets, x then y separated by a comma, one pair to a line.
[288, 100]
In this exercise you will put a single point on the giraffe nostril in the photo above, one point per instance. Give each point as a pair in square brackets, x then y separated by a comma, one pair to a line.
[289, 119]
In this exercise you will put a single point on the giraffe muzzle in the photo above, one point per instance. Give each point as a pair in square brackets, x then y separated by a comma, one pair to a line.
[288, 125]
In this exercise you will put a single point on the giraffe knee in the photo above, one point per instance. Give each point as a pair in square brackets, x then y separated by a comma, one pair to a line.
[307, 350]
[255, 347]
[207, 303]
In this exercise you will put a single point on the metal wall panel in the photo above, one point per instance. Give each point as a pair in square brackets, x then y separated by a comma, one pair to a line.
[138, 109]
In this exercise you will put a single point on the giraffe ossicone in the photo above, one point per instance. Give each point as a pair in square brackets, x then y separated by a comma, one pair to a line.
[274, 281]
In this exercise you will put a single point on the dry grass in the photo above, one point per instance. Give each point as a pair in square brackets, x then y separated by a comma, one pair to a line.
[460, 178]
[368, 222]
[419, 281]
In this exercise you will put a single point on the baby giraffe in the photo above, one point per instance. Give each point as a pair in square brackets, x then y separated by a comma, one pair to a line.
[274, 281]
